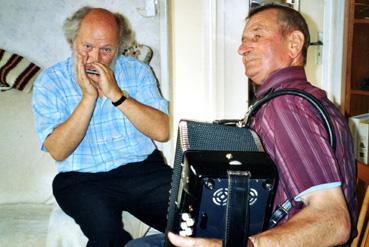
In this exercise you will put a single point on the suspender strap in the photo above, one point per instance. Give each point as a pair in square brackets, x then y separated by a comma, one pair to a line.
[282, 209]
[237, 211]
[300, 93]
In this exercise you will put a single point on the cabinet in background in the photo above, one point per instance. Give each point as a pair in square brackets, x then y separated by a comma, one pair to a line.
[357, 63]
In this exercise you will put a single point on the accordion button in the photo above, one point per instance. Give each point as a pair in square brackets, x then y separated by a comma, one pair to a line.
[186, 216]
[185, 233]
[190, 222]
[188, 232]
[184, 225]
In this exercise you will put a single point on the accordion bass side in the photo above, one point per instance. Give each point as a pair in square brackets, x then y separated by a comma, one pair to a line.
[223, 184]
[203, 191]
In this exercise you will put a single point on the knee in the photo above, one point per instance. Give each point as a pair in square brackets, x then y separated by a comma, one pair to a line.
[156, 240]
[100, 224]
[108, 239]
[102, 231]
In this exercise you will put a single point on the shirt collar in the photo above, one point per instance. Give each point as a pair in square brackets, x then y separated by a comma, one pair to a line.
[279, 77]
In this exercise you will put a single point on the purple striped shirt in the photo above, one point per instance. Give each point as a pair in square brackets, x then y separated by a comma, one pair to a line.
[294, 136]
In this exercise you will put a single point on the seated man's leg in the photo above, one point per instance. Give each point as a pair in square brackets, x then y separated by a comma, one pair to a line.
[149, 192]
[99, 216]
[156, 240]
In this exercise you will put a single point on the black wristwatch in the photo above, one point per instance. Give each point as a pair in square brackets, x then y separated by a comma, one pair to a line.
[121, 99]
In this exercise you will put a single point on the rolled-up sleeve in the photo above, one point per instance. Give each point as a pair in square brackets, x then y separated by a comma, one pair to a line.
[150, 94]
[138, 79]
[46, 107]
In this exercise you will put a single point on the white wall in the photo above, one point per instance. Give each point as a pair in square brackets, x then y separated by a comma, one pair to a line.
[208, 80]
[232, 93]
[314, 20]
[326, 16]
[334, 54]
[187, 60]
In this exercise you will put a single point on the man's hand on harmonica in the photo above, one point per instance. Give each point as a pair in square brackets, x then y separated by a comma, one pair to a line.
[105, 81]
[85, 83]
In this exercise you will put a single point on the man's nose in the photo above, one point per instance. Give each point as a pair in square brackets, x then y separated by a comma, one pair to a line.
[243, 48]
[94, 55]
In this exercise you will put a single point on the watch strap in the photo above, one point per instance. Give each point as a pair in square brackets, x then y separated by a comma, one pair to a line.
[121, 99]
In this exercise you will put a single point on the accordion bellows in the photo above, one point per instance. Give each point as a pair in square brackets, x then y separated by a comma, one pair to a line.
[17, 72]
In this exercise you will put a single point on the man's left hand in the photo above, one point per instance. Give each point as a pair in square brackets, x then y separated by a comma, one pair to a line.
[106, 81]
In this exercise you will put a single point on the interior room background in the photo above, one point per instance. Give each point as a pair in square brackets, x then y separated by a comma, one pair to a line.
[195, 58]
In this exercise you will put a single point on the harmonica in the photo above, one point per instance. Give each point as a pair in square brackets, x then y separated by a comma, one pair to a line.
[92, 71]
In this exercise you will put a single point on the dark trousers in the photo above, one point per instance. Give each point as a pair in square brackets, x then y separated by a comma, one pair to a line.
[96, 200]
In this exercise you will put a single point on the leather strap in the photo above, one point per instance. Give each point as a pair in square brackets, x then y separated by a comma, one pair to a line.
[315, 103]
[121, 99]
[237, 211]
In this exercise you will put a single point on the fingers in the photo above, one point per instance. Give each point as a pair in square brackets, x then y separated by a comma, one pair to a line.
[87, 86]
[80, 66]
[180, 241]
[101, 78]
[105, 80]
[102, 69]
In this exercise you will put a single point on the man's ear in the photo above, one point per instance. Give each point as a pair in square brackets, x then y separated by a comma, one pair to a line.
[295, 43]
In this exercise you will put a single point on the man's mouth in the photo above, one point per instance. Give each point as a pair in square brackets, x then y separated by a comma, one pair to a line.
[248, 60]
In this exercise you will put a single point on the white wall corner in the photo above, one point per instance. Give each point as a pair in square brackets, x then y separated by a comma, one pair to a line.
[332, 83]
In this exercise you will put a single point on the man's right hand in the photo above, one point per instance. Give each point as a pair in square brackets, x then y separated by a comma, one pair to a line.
[86, 84]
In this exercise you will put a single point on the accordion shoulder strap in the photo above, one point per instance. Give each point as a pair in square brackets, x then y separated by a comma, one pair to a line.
[300, 93]
[283, 208]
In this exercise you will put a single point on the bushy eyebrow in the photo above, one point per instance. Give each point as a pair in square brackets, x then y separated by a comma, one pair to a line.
[256, 28]
[104, 46]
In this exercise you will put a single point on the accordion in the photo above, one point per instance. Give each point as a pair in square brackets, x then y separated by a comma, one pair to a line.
[223, 183]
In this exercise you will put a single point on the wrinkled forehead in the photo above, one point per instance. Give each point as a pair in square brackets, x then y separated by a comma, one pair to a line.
[268, 17]
[100, 16]
[99, 20]
[264, 20]
[99, 29]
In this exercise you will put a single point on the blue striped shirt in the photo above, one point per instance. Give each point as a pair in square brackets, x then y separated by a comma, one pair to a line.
[111, 139]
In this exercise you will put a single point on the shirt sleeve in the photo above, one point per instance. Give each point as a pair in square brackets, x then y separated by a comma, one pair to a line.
[143, 86]
[46, 105]
[294, 136]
